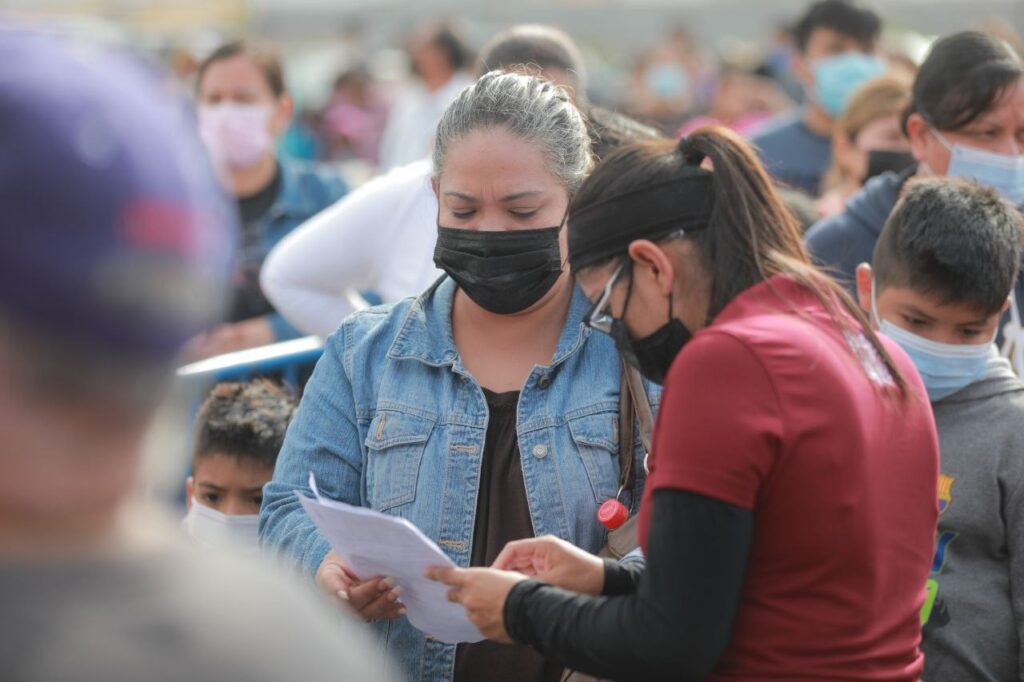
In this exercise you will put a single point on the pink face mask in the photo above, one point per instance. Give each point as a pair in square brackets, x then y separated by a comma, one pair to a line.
[236, 135]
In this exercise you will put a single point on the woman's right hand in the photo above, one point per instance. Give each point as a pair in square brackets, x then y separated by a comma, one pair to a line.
[374, 599]
[554, 561]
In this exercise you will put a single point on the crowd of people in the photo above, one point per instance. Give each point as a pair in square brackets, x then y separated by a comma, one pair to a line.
[719, 385]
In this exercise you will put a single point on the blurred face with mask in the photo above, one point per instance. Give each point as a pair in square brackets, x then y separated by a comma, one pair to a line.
[837, 54]
[243, 110]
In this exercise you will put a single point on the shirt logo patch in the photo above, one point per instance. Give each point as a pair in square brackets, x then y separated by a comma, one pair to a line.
[945, 492]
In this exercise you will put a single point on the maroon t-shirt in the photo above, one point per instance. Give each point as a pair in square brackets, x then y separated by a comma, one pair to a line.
[775, 409]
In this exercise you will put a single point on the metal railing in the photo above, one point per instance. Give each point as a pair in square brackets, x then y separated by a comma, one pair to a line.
[287, 360]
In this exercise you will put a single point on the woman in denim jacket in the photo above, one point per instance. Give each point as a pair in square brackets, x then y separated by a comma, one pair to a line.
[482, 411]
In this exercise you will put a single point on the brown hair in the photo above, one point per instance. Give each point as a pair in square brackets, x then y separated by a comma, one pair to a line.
[243, 420]
[888, 95]
[750, 237]
[265, 58]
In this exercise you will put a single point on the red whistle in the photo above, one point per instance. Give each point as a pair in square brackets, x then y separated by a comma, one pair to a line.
[612, 514]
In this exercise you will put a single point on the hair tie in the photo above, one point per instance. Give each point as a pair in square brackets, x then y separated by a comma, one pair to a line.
[692, 157]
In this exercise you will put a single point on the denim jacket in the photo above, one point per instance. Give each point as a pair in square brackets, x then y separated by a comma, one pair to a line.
[306, 189]
[392, 420]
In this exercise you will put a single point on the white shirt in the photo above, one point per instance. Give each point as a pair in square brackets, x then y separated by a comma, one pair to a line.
[412, 123]
[378, 238]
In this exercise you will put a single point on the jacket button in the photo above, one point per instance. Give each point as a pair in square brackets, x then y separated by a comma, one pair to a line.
[540, 451]
[544, 381]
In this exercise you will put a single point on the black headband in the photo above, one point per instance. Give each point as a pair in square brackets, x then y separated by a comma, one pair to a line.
[607, 228]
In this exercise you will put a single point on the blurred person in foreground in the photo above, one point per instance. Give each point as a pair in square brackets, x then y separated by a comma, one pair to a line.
[836, 41]
[867, 140]
[244, 109]
[440, 61]
[238, 434]
[117, 251]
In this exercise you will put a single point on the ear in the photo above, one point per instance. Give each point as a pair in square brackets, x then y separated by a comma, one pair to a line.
[436, 186]
[283, 114]
[864, 279]
[802, 70]
[190, 490]
[650, 260]
[918, 133]
[1006, 305]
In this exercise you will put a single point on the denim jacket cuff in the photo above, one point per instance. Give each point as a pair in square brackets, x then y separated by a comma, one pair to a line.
[315, 552]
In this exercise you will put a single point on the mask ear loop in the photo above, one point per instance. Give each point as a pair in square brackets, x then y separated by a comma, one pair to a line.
[561, 226]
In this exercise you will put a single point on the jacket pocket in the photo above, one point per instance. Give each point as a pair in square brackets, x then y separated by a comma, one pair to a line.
[596, 439]
[395, 444]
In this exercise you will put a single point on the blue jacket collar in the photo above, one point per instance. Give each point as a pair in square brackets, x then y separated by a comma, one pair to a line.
[426, 332]
[293, 199]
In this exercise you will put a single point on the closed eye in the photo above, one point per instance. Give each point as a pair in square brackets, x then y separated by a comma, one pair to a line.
[914, 321]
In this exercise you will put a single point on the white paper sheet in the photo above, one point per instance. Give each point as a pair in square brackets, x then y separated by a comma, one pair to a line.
[375, 544]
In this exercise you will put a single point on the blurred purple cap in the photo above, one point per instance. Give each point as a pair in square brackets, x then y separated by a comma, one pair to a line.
[115, 233]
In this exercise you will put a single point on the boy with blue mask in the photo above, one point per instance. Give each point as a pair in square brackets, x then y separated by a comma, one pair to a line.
[238, 433]
[836, 42]
[944, 266]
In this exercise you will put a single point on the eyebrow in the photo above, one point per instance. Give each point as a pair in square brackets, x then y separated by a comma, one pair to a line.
[219, 489]
[917, 312]
[920, 313]
[508, 197]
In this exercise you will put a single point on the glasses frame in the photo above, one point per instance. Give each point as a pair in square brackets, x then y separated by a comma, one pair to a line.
[598, 319]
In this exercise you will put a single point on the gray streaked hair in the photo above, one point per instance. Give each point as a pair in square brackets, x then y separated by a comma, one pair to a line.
[531, 108]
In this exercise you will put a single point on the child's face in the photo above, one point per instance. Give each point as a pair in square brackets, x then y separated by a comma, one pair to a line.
[229, 484]
[923, 315]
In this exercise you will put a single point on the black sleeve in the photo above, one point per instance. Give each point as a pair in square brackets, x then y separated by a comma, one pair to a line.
[621, 577]
[678, 621]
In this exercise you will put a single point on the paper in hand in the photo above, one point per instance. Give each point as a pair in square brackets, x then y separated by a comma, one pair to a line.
[374, 544]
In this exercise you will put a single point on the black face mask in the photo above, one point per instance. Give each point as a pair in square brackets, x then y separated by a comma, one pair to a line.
[652, 355]
[502, 272]
[883, 160]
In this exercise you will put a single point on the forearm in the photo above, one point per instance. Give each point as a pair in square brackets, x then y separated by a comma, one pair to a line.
[678, 620]
[308, 274]
[287, 530]
[621, 577]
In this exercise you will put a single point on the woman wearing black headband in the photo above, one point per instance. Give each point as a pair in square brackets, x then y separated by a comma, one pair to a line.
[789, 513]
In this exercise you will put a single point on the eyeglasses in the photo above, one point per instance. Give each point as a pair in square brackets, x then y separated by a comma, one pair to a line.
[599, 318]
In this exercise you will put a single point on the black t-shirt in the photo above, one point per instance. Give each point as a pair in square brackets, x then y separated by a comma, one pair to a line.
[248, 300]
[502, 515]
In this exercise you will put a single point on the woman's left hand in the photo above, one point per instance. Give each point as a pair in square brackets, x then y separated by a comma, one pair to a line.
[482, 592]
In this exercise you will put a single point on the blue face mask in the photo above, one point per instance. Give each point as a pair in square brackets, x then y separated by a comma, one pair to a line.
[667, 81]
[945, 368]
[835, 79]
[1001, 172]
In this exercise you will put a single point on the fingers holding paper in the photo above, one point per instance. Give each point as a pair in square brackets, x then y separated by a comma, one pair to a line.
[555, 562]
[482, 592]
[377, 599]
[374, 599]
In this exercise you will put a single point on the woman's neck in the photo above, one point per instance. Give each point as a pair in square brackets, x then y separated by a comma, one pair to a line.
[500, 351]
[245, 182]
